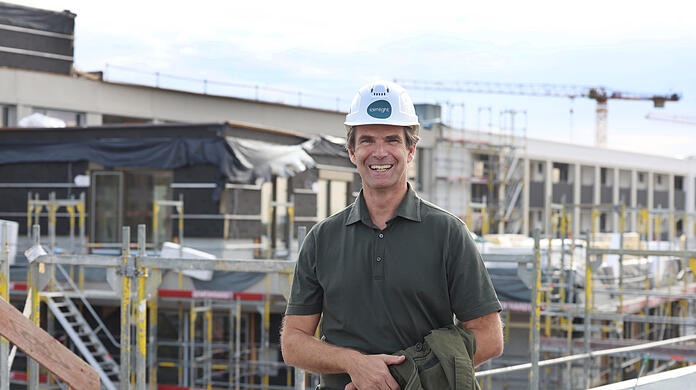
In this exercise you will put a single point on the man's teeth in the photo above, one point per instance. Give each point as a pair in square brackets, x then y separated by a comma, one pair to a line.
[380, 167]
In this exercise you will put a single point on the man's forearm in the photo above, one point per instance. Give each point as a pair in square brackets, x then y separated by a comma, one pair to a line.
[309, 353]
[485, 351]
[488, 331]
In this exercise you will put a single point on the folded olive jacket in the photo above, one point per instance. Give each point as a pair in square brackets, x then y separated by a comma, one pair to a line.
[443, 360]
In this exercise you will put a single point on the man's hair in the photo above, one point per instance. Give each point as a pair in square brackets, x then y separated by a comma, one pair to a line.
[409, 133]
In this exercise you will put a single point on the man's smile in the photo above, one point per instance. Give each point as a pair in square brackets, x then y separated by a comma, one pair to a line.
[380, 168]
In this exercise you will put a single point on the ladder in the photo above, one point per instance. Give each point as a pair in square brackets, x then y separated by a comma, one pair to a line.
[78, 329]
[84, 338]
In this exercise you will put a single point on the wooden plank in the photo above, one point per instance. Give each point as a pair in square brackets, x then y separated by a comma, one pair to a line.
[46, 350]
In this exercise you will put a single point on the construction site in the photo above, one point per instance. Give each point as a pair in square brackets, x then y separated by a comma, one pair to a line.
[150, 241]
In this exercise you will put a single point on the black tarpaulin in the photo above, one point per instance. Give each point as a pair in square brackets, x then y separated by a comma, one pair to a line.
[157, 153]
[38, 19]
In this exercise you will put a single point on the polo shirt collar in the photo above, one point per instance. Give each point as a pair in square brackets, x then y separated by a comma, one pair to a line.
[409, 208]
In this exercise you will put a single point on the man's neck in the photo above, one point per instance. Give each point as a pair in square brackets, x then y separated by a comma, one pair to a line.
[382, 205]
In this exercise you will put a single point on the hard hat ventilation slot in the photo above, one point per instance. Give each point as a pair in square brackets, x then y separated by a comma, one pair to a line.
[379, 90]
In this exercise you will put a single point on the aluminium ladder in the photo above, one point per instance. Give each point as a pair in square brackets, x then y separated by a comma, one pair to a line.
[84, 338]
[81, 333]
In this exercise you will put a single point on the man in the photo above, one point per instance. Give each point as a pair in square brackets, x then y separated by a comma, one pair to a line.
[388, 269]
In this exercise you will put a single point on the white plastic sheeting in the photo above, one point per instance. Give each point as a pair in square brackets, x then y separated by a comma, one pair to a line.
[40, 120]
[170, 249]
[266, 159]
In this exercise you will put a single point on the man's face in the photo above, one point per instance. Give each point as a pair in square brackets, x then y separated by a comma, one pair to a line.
[381, 156]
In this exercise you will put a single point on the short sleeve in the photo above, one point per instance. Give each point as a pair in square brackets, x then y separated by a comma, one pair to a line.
[306, 293]
[470, 289]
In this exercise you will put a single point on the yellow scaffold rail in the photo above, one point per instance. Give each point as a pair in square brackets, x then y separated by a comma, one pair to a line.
[643, 222]
[484, 220]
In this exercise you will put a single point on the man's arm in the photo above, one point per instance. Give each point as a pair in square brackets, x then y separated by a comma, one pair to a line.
[301, 349]
[488, 331]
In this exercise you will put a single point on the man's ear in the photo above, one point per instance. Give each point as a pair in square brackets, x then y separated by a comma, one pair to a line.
[411, 153]
[351, 154]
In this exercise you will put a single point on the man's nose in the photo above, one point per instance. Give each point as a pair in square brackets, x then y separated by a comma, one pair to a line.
[380, 149]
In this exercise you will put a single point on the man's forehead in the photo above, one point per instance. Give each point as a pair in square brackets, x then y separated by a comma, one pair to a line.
[379, 130]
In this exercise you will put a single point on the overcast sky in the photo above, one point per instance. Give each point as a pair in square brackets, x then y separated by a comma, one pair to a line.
[327, 50]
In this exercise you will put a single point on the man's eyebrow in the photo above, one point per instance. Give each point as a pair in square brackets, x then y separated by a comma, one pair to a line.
[365, 136]
[393, 137]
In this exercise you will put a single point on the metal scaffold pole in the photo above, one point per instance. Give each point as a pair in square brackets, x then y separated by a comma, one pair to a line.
[141, 310]
[152, 340]
[237, 342]
[207, 344]
[230, 349]
[536, 313]
[587, 319]
[34, 270]
[126, 274]
[265, 334]
[570, 287]
[5, 295]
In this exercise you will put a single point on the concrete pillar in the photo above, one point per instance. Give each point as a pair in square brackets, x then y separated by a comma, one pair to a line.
[597, 196]
[690, 188]
[525, 196]
[651, 198]
[23, 111]
[548, 195]
[93, 119]
[672, 231]
[615, 198]
[634, 200]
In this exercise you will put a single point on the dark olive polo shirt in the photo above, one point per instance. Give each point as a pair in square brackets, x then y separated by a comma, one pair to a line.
[383, 290]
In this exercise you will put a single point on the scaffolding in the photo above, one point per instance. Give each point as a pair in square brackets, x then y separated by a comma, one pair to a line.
[568, 303]
[141, 271]
[478, 176]
[626, 297]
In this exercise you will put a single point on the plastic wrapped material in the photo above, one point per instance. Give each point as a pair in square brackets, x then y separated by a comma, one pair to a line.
[266, 159]
[326, 145]
[9, 229]
[40, 120]
[170, 249]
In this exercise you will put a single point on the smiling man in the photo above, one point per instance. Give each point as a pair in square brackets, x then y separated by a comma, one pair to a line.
[389, 271]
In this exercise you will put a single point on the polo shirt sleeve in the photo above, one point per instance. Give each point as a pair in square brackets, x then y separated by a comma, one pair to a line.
[471, 292]
[306, 293]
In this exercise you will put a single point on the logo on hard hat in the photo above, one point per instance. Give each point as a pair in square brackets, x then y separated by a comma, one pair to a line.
[380, 109]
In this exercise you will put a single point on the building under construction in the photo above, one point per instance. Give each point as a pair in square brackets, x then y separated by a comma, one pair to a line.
[161, 227]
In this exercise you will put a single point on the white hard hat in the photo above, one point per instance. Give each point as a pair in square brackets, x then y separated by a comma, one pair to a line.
[382, 102]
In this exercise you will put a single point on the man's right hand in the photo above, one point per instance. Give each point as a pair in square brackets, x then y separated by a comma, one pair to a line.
[369, 372]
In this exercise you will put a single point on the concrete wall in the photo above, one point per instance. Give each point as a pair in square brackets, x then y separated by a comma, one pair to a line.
[27, 89]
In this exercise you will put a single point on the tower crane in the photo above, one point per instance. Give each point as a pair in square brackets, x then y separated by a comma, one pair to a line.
[686, 120]
[599, 94]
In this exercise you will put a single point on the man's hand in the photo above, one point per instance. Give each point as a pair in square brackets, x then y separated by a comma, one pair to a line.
[369, 372]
